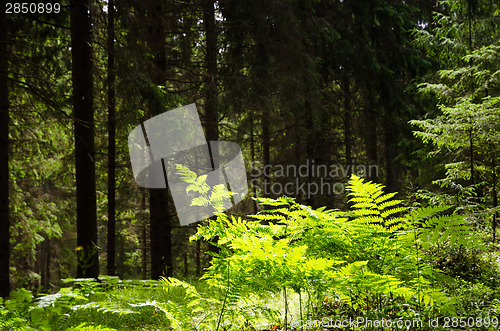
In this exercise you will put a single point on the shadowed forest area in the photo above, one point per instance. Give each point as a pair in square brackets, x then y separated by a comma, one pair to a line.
[370, 133]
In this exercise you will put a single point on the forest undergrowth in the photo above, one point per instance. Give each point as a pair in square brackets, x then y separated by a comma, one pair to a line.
[383, 264]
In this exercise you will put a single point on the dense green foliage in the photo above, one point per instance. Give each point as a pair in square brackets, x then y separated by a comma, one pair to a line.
[326, 99]
[378, 260]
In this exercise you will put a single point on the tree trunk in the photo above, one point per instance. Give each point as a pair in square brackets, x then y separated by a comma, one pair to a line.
[43, 261]
[83, 113]
[347, 126]
[120, 261]
[160, 230]
[160, 234]
[262, 80]
[186, 268]
[48, 257]
[391, 147]
[471, 157]
[495, 199]
[211, 113]
[371, 138]
[144, 238]
[111, 256]
[211, 116]
[348, 140]
[4, 160]
[252, 170]
[310, 146]
[265, 149]
[198, 258]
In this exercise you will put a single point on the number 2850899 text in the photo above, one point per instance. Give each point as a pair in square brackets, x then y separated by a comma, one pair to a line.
[32, 8]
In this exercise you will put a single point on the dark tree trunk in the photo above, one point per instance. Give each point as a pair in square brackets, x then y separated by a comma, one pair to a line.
[348, 140]
[4, 160]
[391, 147]
[262, 80]
[48, 257]
[297, 138]
[144, 238]
[111, 256]
[495, 199]
[265, 149]
[120, 261]
[310, 146]
[252, 151]
[198, 258]
[347, 126]
[160, 234]
[211, 113]
[371, 137]
[160, 227]
[211, 116]
[186, 268]
[41, 260]
[471, 157]
[83, 113]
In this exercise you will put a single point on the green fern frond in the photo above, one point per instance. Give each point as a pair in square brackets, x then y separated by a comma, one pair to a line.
[269, 217]
[284, 200]
[393, 211]
[200, 201]
[426, 212]
[185, 174]
[369, 200]
[385, 197]
[104, 307]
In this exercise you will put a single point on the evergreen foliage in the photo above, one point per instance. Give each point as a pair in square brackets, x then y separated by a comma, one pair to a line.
[376, 252]
[297, 84]
[463, 130]
[287, 264]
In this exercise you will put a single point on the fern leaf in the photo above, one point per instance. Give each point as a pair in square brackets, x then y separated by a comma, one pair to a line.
[185, 174]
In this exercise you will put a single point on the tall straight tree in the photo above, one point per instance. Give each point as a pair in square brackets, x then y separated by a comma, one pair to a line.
[4, 160]
[211, 114]
[211, 120]
[111, 141]
[160, 232]
[83, 114]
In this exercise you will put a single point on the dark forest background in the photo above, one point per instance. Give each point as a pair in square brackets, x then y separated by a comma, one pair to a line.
[291, 81]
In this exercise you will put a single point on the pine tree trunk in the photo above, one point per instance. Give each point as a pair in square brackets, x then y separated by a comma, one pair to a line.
[211, 116]
[252, 151]
[495, 199]
[4, 160]
[265, 149]
[371, 137]
[262, 80]
[111, 256]
[347, 126]
[48, 257]
[211, 113]
[43, 261]
[198, 258]
[391, 147]
[160, 227]
[310, 146]
[471, 157]
[83, 113]
[144, 238]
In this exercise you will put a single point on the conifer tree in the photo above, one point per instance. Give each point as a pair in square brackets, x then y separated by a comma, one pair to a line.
[83, 113]
[4, 160]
